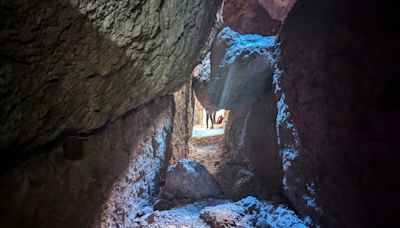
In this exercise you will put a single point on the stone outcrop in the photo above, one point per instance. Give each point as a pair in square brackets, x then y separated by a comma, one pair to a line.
[112, 173]
[262, 17]
[99, 179]
[338, 122]
[71, 67]
[189, 179]
[235, 72]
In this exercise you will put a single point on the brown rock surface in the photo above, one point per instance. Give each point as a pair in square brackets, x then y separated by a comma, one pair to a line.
[262, 17]
[277, 9]
[339, 112]
[247, 16]
[72, 67]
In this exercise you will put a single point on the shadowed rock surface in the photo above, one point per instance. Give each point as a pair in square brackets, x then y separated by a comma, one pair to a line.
[251, 140]
[338, 118]
[86, 116]
[86, 63]
[92, 112]
[114, 175]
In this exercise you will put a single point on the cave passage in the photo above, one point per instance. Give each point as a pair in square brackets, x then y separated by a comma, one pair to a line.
[218, 183]
[105, 110]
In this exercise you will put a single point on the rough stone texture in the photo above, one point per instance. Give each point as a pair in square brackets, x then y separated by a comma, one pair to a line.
[277, 9]
[250, 139]
[183, 123]
[339, 112]
[72, 66]
[236, 136]
[262, 17]
[189, 179]
[199, 115]
[115, 175]
[250, 212]
[239, 70]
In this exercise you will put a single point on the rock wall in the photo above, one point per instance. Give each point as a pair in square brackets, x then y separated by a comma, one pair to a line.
[183, 123]
[71, 67]
[84, 134]
[112, 173]
[250, 138]
[262, 17]
[336, 84]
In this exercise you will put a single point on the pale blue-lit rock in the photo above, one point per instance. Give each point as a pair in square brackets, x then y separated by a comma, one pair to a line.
[240, 70]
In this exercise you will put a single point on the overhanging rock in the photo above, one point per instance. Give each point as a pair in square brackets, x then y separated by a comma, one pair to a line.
[237, 70]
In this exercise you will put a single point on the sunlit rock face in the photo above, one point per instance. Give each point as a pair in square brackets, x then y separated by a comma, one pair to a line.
[262, 17]
[73, 66]
[338, 112]
[237, 71]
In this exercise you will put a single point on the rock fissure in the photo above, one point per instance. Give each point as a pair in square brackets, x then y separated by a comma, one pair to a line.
[105, 110]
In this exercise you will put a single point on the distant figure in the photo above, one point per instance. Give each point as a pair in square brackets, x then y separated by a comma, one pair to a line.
[209, 114]
[220, 119]
[214, 114]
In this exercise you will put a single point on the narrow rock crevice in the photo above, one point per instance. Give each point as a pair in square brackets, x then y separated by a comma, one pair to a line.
[105, 110]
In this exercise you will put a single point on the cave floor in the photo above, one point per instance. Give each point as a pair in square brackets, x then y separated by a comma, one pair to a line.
[236, 182]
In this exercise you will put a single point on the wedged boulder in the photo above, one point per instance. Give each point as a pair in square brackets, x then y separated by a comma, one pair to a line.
[189, 179]
[237, 71]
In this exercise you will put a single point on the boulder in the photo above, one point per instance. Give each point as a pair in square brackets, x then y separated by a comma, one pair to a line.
[189, 179]
[236, 72]
[250, 212]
